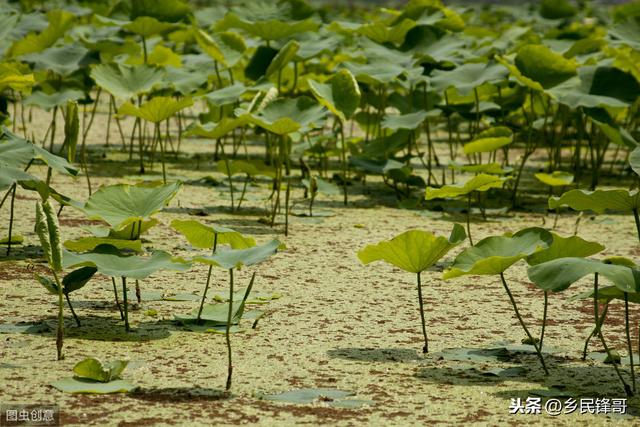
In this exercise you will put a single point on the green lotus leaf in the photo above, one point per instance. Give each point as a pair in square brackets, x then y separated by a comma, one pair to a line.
[84, 386]
[544, 66]
[62, 60]
[597, 87]
[147, 26]
[227, 95]
[160, 56]
[250, 167]
[404, 121]
[56, 99]
[414, 250]
[203, 236]
[341, 96]
[284, 116]
[381, 33]
[376, 72]
[558, 274]
[124, 81]
[259, 62]
[110, 261]
[123, 204]
[215, 130]
[598, 201]
[489, 140]
[557, 9]
[380, 167]
[634, 160]
[14, 78]
[269, 29]
[626, 32]
[480, 182]
[77, 279]
[495, 254]
[93, 369]
[163, 10]
[555, 179]
[608, 294]
[157, 110]
[226, 48]
[59, 22]
[285, 55]
[562, 247]
[10, 175]
[237, 258]
[85, 244]
[17, 152]
[465, 78]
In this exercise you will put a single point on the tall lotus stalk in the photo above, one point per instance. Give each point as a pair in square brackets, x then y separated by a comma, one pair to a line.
[48, 231]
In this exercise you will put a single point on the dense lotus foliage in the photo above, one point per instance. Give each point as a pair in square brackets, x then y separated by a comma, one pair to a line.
[426, 106]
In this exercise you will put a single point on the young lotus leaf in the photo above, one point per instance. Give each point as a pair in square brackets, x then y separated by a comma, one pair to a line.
[48, 231]
[123, 204]
[285, 55]
[59, 22]
[157, 110]
[468, 77]
[381, 33]
[559, 274]
[10, 175]
[376, 72]
[215, 314]
[543, 66]
[555, 179]
[284, 116]
[93, 369]
[84, 386]
[608, 294]
[63, 60]
[111, 262]
[598, 201]
[237, 258]
[215, 130]
[563, 247]
[147, 26]
[226, 95]
[405, 121]
[124, 81]
[480, 182]
[341, 95]
[56, 99]
[204, 237]
[414, 250]
[489, 140]
[493, 255]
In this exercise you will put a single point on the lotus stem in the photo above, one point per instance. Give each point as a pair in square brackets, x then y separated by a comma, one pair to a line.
[11, 213]
[206, 288]
[115, 292]
[227, 331]
[524, 326]
[226, 163]
[286, 207]
[468, 219]
[60, 332]
[345, 171]
[637, 219]
[126, 304]
[627, 389]
[75, 316]
[602, 319]
[629, 346]
[244, 190]
[544, 318]
[425, 349]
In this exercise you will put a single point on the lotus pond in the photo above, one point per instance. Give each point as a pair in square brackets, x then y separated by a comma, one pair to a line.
[285, 213]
